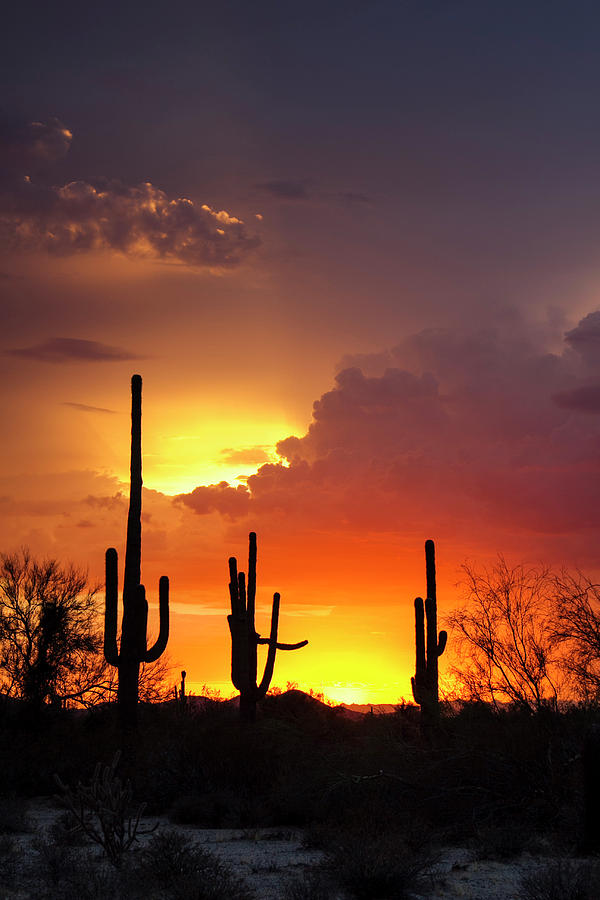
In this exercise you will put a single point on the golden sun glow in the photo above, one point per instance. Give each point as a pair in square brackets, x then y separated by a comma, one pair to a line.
[179, 460]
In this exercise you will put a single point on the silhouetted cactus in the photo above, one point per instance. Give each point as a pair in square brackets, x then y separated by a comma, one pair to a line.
[245, 639]
[180, 695]
[425, 681]
[133, 650]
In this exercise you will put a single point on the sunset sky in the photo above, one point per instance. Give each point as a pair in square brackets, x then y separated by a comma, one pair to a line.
[352, 249]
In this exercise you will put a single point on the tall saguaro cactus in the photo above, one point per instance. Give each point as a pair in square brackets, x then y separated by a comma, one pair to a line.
[245, 639]
[133, 650]
[429, 647]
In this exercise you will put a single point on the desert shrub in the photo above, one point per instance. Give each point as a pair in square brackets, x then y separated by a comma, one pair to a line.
[184, 871]
[562, 880]
[312, 884]
[52, 862]
[377, 864]
[59, 872]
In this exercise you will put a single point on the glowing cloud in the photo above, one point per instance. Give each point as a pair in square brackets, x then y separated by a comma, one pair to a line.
[483, 432]
[101, 214]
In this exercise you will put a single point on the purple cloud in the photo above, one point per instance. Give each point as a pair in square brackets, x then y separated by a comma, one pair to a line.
[99, 214]
[61, 350]
[584, 399]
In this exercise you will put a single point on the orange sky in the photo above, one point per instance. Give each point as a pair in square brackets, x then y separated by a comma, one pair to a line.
[340, 537]
[352, 250]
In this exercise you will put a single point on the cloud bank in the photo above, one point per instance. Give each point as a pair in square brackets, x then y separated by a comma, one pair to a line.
[457, 432]
[61, 350]
[105, 214]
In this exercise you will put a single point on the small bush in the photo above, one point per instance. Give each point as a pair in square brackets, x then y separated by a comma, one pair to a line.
[314, 884]
[52, 861]
[185, 871]
[381, 865]
[59, 872]
[562, 880]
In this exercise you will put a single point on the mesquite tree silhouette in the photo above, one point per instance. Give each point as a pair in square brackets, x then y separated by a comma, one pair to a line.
[49, 639]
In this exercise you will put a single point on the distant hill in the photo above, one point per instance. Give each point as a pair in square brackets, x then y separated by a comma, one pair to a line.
[297, 703]
[378, 709]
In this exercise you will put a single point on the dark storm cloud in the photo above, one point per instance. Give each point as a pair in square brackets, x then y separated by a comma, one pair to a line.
[83, 407]
[585, 398]
[585, 338]
[230, 502]
[465, 429]
[60, 350]
[101, 214]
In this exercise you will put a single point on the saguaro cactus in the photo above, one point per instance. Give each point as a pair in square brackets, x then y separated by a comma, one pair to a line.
[245, 639]
[425, 681]
[133, 650]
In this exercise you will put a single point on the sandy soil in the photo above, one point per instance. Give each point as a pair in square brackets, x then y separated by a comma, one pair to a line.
[267, 857]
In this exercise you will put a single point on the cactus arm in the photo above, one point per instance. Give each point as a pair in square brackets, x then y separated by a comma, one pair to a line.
[238, 661]
[279, 646]
[111, 653]
[233, 588]
[263, 687]
[420, 639]
[242, 594]
[417, 691]
[239, 629]
[418, 682]
[160, 645]
[442, 642]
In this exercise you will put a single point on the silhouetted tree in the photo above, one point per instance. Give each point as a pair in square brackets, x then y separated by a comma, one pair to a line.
[506, 637]
[49, 635]
[577, 630]
[51, 638]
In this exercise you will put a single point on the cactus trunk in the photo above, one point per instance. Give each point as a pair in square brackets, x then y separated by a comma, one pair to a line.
[245, 639]
[133, 651]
